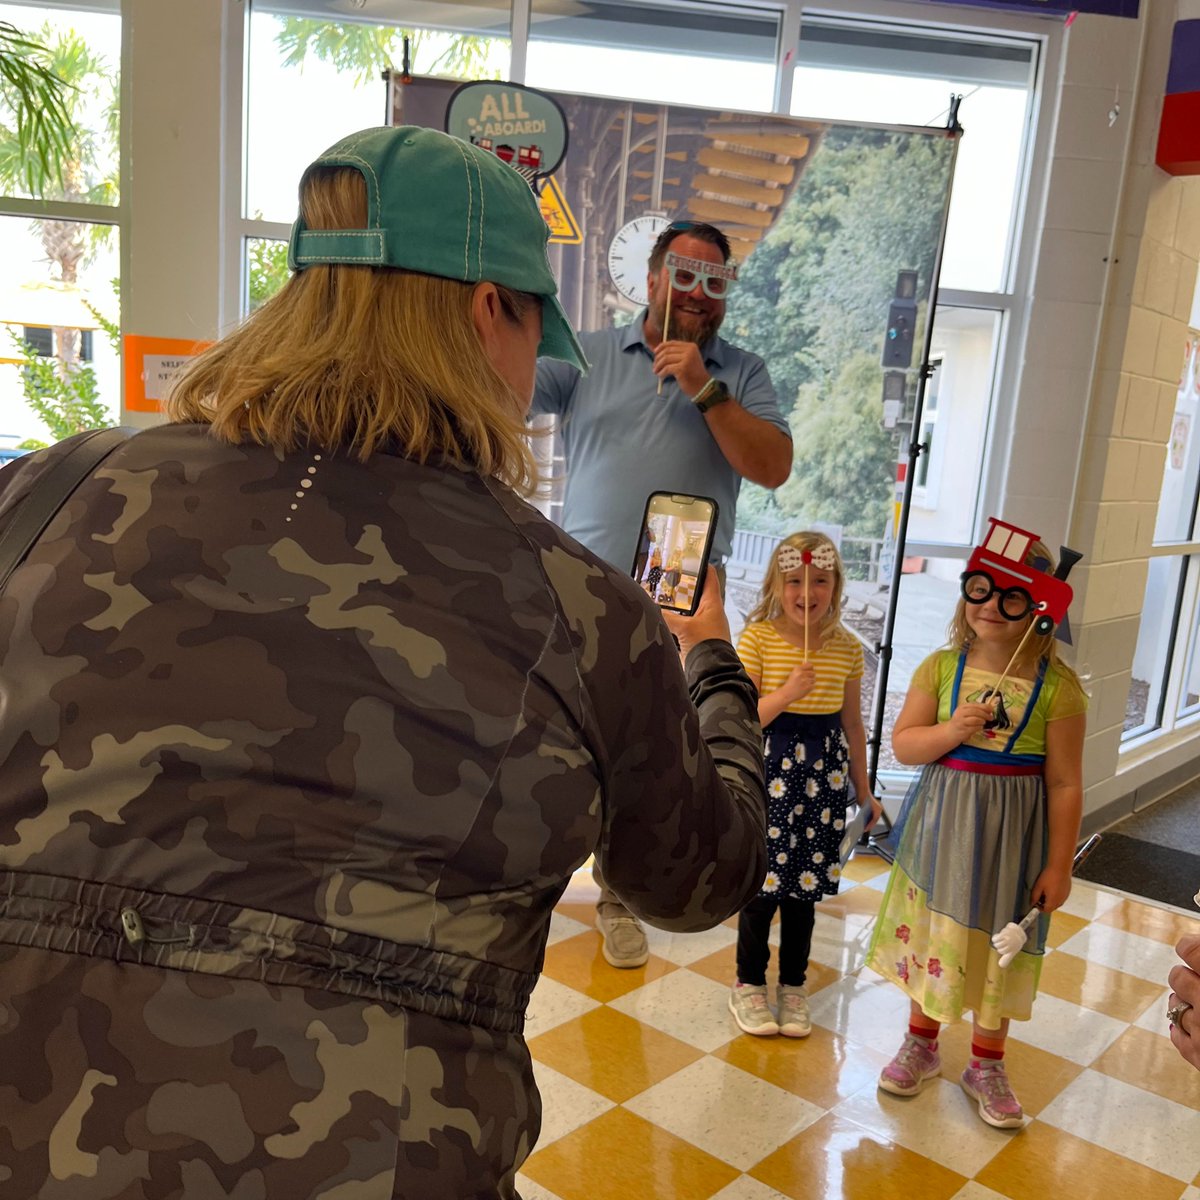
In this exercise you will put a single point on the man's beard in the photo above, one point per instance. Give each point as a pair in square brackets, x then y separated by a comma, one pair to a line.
[693, 329]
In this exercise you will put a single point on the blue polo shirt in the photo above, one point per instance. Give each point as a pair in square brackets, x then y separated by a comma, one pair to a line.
[623, 441]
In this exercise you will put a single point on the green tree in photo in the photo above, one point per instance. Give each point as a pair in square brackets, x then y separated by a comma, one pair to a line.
[812, 301]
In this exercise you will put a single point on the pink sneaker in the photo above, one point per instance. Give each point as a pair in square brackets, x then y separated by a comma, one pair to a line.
[988, 1085]
[912, 1068]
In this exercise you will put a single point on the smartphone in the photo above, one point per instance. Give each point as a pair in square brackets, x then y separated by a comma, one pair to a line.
[674, 543]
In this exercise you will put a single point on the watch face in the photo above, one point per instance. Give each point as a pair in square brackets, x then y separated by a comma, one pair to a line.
[629, 255]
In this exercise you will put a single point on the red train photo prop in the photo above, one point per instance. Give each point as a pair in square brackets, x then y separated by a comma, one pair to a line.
[997, 567]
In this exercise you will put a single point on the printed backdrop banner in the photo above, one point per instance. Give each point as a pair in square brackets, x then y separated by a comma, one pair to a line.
[837, 228]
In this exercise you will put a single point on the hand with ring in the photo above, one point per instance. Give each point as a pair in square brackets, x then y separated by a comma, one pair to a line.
[1185, 997]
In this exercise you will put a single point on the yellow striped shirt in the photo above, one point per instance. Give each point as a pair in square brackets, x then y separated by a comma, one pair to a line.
[769, 659]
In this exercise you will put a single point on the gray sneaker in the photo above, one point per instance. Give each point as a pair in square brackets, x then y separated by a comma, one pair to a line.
[624, 944]
[750, 1009]
[794, 1018]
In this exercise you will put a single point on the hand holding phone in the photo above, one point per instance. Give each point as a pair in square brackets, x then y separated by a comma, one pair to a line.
[674, 544]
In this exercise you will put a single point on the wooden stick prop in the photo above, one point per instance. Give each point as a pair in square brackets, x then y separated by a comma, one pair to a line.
[806, 558]
[1010, 941]
[666, 327]
[1016, 652]
[824, 557]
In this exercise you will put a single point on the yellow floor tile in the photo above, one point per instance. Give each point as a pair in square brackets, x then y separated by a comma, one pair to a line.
[722, 967]
[836, 1158]
[1042, 1161]
[1100, 988]
[862, 867]
[579, 963]
[582, 910]
[1148, 1061]
[1161, 924]
[619, 1156]
[611, 1053]
[822, 1068]
[1037, 1076]
[859, 900]
[1063, 926]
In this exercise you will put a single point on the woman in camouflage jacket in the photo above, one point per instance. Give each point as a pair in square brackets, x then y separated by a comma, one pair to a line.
[307, 720]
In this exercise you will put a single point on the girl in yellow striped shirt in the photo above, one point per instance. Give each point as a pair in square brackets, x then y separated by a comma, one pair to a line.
[808, 668]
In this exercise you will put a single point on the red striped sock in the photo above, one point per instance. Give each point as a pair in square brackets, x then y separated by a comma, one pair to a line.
[981, 1051]
[927, 1031]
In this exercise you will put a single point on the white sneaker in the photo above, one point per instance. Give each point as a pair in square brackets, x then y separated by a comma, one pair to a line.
[624, 939]
[750, 1009]
[794, 1018]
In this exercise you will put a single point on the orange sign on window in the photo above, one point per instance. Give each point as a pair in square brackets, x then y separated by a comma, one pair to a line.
[152, 365]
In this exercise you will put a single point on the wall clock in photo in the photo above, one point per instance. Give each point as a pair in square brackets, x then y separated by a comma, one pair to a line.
[629, 254]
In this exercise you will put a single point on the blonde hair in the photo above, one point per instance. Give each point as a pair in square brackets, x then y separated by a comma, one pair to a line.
[960, 635]
[770, 604]
[365, 358]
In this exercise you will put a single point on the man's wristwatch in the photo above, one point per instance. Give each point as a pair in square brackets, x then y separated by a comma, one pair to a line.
[714, 392]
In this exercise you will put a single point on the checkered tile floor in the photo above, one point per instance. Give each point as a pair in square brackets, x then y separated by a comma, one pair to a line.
[650, 1091]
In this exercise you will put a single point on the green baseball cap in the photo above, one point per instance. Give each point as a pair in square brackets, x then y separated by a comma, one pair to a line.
[440, 206]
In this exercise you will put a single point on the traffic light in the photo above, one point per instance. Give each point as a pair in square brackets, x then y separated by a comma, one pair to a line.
[901, 322]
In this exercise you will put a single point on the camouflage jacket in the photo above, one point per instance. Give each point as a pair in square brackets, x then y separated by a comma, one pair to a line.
[308, 723]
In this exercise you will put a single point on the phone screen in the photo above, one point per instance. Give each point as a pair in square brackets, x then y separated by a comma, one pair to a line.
[673, 549]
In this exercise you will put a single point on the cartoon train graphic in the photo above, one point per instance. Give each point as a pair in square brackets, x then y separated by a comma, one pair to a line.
[997, 565]
[527, 157]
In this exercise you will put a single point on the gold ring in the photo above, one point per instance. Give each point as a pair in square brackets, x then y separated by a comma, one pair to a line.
[1175, 1015]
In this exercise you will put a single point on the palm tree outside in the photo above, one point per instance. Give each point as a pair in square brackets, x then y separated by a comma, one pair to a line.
[76, 162]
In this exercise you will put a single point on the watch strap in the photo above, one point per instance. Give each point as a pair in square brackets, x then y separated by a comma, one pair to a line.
[714, 392]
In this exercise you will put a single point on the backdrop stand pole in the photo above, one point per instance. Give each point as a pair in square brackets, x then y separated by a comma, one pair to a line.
[875, 840]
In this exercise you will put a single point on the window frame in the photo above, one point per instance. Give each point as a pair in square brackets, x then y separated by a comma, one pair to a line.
[1011, 300]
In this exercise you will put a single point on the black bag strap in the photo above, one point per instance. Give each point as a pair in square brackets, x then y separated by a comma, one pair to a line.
[52, 491]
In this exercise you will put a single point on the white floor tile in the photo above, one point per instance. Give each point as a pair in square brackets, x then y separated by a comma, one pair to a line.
[941, 1123]
[533, 1191]
[683, 949]
[1123, 951]
[725, 1111]
[563, 927]
[1065, 1029]
[976, 1191]
[1129, 1121]
[552, 1003]
[865, 1009]
[1155, 1016]
[566, 1105]
[1089, 902]
[747, 1189]
[841, 944]
[685, 1005]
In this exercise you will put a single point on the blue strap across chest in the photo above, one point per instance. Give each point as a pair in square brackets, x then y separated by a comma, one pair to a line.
[973, 753]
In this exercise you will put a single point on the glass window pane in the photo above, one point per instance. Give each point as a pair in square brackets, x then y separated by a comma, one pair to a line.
[312, 79]
[83, 48]
[59, 355]
[266, 270]
[1189, 693]
[861, 72]
[1154, 644]
[712, 58]
[949, 474]
[1177, 498]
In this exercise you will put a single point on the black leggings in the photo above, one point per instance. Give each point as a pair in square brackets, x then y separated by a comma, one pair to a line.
[796, 919]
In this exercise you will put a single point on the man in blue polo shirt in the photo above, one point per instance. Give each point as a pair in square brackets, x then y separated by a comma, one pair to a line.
[715, 423]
